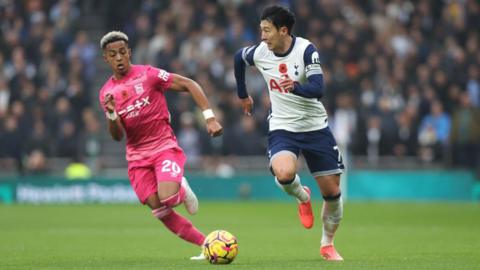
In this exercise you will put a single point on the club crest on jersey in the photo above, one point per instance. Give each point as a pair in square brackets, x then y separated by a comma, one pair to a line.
[283, 68]
[138, 88]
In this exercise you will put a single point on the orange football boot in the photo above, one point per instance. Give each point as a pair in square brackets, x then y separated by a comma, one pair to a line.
[330, 254]
[305, 211]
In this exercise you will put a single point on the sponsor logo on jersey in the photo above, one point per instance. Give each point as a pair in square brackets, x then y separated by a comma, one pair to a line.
[315, 58]
[133, 110]
[162, 74]
[275, 86]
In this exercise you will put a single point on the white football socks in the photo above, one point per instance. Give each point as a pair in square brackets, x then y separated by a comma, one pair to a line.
[294, 188]
[332, 213]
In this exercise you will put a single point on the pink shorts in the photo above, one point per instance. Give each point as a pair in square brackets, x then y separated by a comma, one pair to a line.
[166, 166]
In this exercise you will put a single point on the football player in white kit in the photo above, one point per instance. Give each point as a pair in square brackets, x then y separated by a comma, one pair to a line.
[298, 120]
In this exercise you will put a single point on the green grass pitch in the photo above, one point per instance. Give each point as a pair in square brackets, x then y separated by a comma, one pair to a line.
[372, 236]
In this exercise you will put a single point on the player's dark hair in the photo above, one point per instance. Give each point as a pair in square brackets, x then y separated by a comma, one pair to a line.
[279, 16]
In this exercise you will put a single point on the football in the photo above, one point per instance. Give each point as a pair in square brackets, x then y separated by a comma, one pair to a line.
[220, 247]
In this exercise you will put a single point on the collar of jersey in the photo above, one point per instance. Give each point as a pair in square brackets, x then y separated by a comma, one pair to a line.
[289, 49]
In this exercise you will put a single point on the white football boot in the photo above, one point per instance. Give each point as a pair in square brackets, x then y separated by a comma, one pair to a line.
[191, 201]
[200, 257]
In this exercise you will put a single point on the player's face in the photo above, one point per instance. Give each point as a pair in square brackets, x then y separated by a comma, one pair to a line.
[273, 37]
[117, 54]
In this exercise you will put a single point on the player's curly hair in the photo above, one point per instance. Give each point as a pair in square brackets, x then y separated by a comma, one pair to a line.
[279, 16]
[112, 37]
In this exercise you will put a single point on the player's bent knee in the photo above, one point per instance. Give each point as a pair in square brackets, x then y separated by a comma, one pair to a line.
[175, 199]
[331, 193]
[285, 175]
[153, 201]
[329, 188]
[161, 212]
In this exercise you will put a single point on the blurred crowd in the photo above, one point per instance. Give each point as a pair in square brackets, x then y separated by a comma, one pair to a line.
[402, 77]
[46, 73]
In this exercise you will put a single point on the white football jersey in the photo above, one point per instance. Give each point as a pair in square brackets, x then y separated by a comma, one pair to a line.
[289, 111]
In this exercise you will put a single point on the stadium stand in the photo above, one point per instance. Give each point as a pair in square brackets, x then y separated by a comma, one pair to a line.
[402, 79]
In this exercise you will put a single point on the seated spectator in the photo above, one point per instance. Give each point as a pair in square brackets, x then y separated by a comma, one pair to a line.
[433, 133]
[36, 163]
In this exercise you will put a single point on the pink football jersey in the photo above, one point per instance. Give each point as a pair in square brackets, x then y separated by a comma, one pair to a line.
[140, 103]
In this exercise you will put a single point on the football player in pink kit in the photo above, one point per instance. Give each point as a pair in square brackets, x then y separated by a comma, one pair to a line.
[134, 103]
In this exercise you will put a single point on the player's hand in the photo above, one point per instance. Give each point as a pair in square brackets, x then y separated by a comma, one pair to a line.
[247, 104]
[109, 103]
[214, 128]
[286, 83]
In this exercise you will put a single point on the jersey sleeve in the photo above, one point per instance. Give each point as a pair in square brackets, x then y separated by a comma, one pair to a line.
[313, 71]
[247, 55]
[311, 59]
[162, 79]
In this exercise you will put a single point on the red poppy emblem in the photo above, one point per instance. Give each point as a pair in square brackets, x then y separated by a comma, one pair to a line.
[282, 68]
[124, 94]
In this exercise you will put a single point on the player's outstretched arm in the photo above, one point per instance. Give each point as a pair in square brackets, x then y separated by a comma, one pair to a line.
[115, 126]
[239, 70]
[180, 83]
